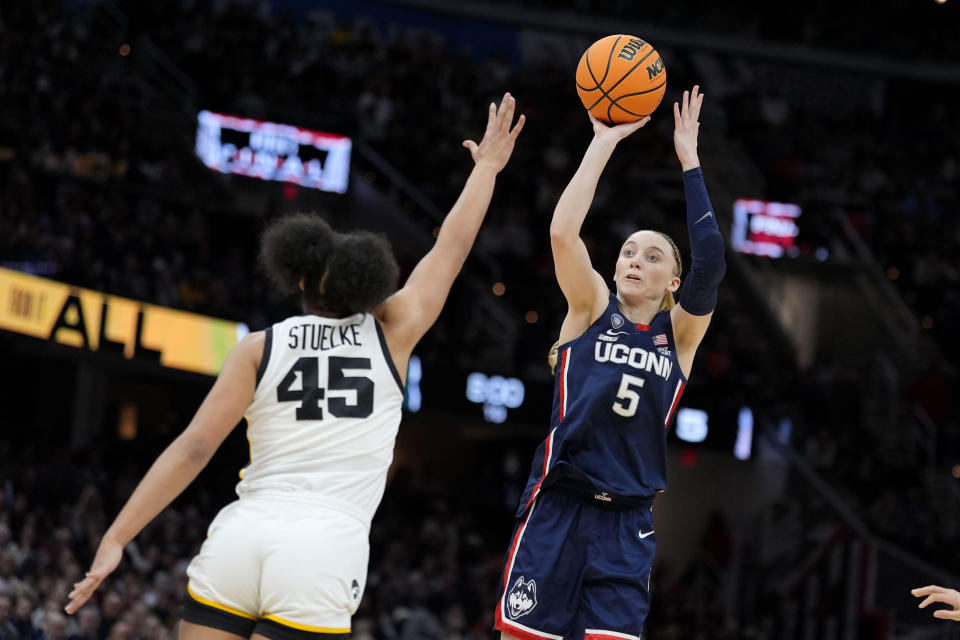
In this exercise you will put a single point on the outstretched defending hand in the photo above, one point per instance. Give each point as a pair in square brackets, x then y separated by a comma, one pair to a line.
[940, 594]
[615, 133]
[108, 557]
[497, 143]
[686, 127]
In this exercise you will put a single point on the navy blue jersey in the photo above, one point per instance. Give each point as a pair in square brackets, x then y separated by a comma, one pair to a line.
[617, 388]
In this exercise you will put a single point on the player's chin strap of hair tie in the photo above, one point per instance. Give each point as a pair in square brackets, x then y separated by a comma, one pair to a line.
[698, 295]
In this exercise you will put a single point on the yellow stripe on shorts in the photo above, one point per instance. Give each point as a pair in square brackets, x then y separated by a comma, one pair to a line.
[222, 607]
[304, 627]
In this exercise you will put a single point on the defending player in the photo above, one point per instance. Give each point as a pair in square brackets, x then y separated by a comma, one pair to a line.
[322, 394]
[579, 561]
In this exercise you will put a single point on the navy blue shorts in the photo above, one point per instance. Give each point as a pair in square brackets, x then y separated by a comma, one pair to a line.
[576, 570]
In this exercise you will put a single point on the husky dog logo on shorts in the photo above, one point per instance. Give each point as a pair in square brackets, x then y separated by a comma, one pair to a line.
[355, 589]
[616, 320]
[522, 598]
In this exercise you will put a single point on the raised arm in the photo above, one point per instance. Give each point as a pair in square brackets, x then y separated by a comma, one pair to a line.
[585, 289]
[698, 295]
[179, 463]
[407, 314]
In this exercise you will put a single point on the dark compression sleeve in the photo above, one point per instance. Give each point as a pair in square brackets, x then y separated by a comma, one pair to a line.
[698, 295]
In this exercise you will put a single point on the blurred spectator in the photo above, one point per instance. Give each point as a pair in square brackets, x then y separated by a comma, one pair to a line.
[8, 631]
[88, 624]
[22, 619]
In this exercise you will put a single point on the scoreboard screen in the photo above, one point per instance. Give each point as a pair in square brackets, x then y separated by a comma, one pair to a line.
[764, 228]
[272, 151]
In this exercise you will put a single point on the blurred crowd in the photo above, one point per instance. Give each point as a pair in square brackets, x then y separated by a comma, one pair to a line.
[97, 191]
[897, 186]
[895, 28]
[436, 558]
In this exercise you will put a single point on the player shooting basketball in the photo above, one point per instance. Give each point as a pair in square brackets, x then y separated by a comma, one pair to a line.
[579, 561]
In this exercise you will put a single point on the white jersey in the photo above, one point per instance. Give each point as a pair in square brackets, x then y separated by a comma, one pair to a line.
[325, 413]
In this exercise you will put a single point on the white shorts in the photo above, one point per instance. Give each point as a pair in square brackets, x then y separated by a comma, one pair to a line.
[281, 562]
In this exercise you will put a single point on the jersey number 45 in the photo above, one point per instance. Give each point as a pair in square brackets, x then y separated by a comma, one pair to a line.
[310, 394]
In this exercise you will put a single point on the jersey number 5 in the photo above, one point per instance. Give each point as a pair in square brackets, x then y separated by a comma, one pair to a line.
[310, 393]
[627, 399]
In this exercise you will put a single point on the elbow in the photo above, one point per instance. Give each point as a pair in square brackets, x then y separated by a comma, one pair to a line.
[560, 236]
[712, 253]
[195, 452]
[721, 271]
[716, 267]
[718, 259]
[709, 268]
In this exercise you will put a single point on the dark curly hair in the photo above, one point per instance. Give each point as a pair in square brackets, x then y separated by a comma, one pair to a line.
[362, 272]
[342, 273]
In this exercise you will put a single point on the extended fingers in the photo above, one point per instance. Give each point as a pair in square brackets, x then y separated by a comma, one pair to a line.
[505, 116]
[80, 594]
[925, 591]
[79, 587]
[639, 124]
[690, 105]
[518, 127]
[491, 116]
[947, 614]
[696, 101]
[930, 599]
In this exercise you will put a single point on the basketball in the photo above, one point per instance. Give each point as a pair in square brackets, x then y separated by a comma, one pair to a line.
[621, 79]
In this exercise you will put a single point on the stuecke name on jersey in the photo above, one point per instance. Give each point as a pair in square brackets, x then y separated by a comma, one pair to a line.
[635, 357]
[320, 337]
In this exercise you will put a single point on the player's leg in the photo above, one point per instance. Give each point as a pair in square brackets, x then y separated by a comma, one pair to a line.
[191, 631]
[540, 588]
[616, 595]
[221, 600]
[313, 573]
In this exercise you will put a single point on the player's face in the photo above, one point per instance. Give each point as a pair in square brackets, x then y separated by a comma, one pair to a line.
[646, 267]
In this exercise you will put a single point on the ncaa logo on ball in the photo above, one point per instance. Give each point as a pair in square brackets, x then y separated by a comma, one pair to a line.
[616, 320]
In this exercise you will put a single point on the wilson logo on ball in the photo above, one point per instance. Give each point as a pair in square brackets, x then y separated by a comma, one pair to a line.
[630, 49]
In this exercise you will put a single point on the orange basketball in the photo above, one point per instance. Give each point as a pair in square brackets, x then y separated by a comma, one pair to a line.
[621, 79]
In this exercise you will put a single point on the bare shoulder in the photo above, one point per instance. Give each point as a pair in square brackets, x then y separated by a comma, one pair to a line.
[400, 321]
[253, 341]
[396, 314]
[249, 350]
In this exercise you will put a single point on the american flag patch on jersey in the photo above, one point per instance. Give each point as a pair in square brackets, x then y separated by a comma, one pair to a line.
[660, 340]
